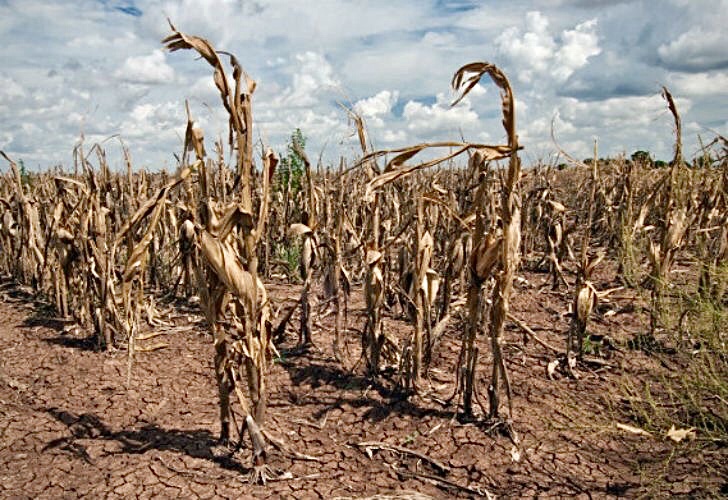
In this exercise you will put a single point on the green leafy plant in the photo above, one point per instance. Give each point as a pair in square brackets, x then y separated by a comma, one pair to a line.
[291, 169]
[589, 346]
[24, 174]
[289, 255]
[411, 438]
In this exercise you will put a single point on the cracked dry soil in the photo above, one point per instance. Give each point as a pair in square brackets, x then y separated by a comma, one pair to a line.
[69, 427]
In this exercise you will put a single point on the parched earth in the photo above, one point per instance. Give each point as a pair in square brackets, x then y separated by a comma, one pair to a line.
[71, 427]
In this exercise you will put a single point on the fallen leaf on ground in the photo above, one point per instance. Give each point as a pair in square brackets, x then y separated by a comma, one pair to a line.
[678, 435]
[552, 368]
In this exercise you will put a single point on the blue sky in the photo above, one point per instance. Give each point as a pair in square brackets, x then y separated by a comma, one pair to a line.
[594, 67]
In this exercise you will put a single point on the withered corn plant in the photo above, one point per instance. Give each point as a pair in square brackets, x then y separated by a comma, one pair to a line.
[89, 281]
[556, 238]
[420, 284]
[495, 242]
[229, 236]
[374, 339]
[545, 220]
[507, 250]
[339, 277]
[672, 227]
[712, 237]
[625, 224]
[585, 297]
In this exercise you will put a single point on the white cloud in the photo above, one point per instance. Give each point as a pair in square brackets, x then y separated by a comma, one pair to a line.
[439, 117]
[312, 77]
[372, 109]
[530, 51]
[148, 123]
[394, 136]
[696, 49]
[618, 111]
[9, 90]
[536, 52]
[579, 45]
[700, 84]
[150, 69]
[597, 65]
[438, 39]
[6, 138]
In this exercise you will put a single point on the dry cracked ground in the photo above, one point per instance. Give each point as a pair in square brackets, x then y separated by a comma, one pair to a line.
[71, 427]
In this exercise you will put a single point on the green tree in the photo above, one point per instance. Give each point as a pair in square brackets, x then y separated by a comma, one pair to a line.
[292, 169]
[642, 157]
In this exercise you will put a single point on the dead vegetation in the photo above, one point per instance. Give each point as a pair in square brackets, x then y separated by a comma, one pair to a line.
[433, 242]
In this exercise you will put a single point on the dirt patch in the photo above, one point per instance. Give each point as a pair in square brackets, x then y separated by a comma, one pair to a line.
[69, 427]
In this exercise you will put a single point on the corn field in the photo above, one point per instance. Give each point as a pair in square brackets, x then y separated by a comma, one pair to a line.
[439, 245]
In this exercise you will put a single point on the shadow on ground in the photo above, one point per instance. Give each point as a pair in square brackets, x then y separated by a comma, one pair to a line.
[194, 443]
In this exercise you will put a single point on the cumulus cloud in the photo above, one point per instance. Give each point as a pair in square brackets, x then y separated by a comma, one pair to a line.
[372, 109]
[696, 50]
[394, 136]
[700, 84]
[532, 50]
[615, 77]
[424, 119]
[596, 65]
[536, 52]
[146, 119]
[149, 69]
[312, 76]
[578, 46]
[619, 111]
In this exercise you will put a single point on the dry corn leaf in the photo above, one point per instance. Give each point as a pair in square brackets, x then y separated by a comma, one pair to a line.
[678, 435]
[392, 173]
[556, 206]
[64, 236]
[551, 368]
[676, 229]
[373, 256]
[297, 229]
[227, 267]
[476, 71]
[593, 264]
[431, 285]
[585, 301]
[633, 430]
[152, 202]
[235, 216]
[487, 255]
[187, 231]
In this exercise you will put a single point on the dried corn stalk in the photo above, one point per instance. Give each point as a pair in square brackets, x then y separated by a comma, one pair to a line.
[229, 285]
[493, 254]
[499, 252]
[674, 227]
